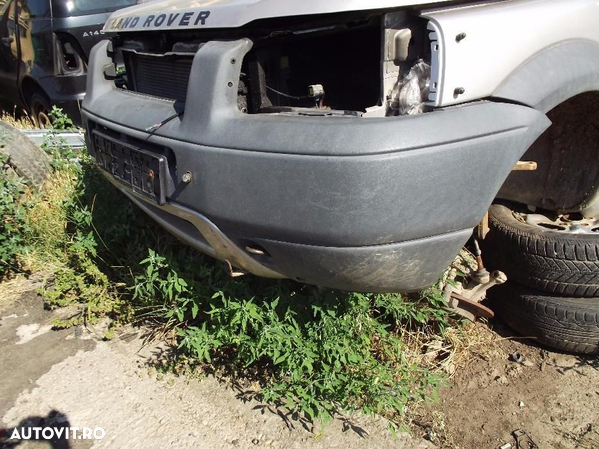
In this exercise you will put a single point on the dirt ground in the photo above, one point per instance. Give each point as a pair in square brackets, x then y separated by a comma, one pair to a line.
[552, 397]
[73, 378]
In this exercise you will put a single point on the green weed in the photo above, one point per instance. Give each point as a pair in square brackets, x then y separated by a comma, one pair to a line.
[60, 121]
[313, 351]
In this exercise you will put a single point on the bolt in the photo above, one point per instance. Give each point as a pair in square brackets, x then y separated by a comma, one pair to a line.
[230, 84]
[459, 91]
[187, 177]
[460, 37]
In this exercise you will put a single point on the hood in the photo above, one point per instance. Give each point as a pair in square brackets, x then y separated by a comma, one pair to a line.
[189, 14]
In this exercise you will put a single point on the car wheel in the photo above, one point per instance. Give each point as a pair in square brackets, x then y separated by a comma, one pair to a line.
[26, 158]
[563, 323]
[40, 110]
[557, 255]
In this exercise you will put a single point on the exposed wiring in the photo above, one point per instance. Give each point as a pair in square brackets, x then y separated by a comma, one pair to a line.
[319, 99]
[306, 97]
[152, 129]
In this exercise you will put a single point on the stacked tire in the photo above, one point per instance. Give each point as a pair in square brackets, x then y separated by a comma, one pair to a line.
[553, 290]
[24, 157]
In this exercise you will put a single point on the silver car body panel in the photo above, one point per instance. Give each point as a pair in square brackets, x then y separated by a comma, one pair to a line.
[476, 65]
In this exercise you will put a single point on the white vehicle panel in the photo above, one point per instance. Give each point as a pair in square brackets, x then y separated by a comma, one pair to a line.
[185, 14]
[499, 38]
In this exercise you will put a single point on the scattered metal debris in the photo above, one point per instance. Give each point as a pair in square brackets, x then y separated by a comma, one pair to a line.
[523, 440]
[517, 357]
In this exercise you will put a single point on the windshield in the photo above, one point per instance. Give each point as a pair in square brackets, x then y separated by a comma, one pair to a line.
[67, 8]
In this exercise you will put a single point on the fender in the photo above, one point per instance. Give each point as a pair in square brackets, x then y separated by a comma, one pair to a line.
[554, 76]
[523, 51]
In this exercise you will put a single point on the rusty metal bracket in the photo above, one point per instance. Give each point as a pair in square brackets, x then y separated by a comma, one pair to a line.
[469, 309]
[478, 293]
[466, 301]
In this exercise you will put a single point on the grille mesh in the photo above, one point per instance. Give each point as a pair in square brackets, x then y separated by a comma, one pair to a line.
[164, 76]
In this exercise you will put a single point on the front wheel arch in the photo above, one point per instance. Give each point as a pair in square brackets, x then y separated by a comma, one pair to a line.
[567, 153]
[553, 76]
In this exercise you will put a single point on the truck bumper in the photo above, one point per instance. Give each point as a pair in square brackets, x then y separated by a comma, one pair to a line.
[377, 204]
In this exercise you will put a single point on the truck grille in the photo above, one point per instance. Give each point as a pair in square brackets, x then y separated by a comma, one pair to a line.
[159, 76]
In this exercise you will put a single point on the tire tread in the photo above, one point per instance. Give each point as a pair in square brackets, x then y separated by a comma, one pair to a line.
[569, 324]
[543, 259]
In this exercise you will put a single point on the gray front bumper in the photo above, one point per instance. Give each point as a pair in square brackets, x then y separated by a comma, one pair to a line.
[362, 204]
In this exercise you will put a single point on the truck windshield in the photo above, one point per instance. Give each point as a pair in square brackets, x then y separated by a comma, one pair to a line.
[68, 8]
